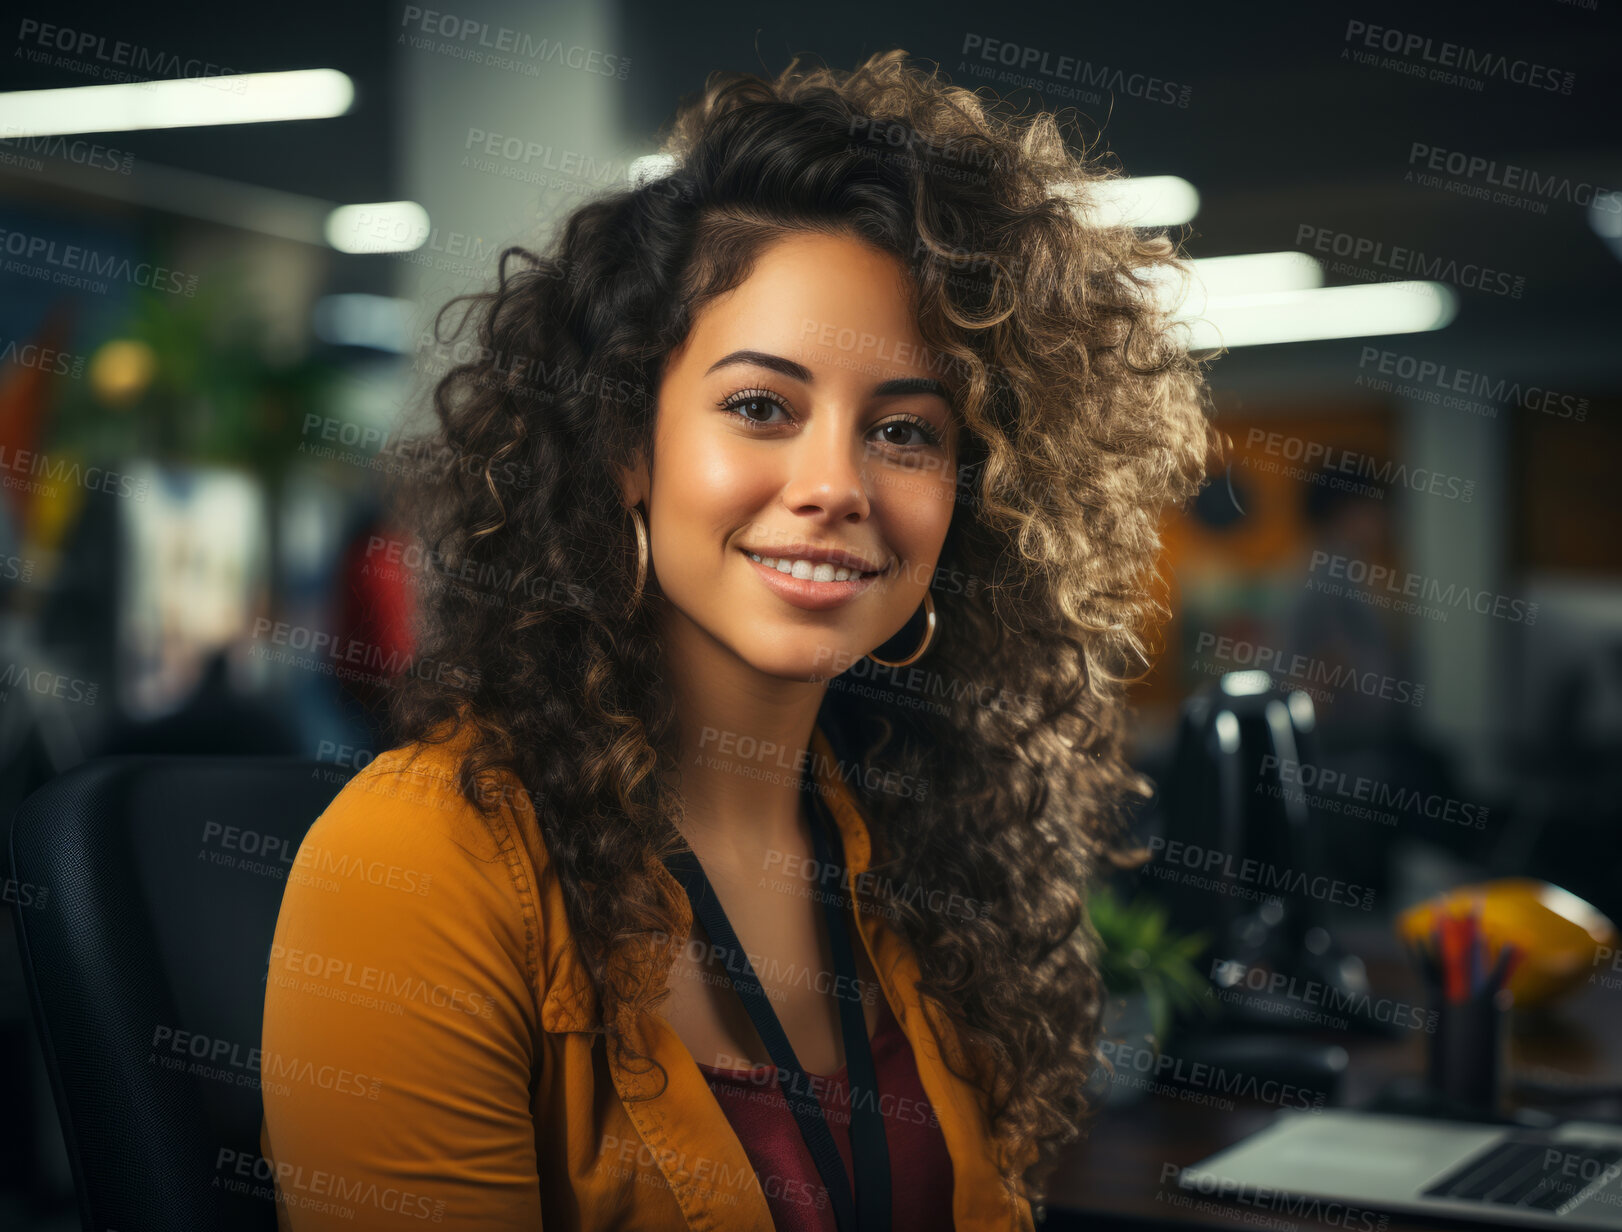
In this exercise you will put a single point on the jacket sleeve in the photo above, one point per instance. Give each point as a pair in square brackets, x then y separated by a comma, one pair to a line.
[400, 1020]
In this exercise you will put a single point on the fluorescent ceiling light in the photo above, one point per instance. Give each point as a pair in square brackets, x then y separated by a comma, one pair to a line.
[1605, 215]
[377, 321]
[1245, 684]
[1264, 317]
[1222, 277]
[649, 167]
[241, 98]
[1136, 201]
[1606, 219]
[1251, 272]
[387, 226]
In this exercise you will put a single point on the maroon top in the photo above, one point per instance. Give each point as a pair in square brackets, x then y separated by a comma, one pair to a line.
[920, 1167]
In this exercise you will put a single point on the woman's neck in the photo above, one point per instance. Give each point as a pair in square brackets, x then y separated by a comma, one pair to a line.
[744, 739]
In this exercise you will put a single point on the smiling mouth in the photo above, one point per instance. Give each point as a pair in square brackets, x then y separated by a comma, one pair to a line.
[808, 571]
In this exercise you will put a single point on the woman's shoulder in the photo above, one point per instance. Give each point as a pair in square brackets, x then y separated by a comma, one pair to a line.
[404, 970]
[414, 790]
[402, 841]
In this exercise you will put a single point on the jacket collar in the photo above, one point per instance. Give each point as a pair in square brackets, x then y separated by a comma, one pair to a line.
[980, 1199]
[571, 1002]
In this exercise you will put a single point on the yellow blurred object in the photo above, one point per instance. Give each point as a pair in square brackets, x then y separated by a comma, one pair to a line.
[1559, 934]
[54, 508]
[121, 370]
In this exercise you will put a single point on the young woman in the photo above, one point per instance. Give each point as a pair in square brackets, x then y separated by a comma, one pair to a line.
[791, 550]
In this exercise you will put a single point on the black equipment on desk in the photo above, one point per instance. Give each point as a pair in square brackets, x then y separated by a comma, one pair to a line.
[1240, 851]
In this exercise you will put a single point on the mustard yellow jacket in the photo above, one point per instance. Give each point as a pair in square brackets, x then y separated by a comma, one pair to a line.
[427, 1055]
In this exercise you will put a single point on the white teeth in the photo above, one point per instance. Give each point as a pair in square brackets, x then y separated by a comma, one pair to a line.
[808, 570]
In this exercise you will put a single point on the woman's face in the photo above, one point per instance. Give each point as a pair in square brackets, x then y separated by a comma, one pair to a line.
[802, 417]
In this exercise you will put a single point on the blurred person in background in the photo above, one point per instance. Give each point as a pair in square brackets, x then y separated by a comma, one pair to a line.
[1346, 627]
[1350, 628]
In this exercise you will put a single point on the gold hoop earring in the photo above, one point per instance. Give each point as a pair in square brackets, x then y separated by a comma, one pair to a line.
[644, 554]
[929, 636]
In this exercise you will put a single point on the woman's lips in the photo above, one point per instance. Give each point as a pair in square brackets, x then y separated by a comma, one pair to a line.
[804, 593]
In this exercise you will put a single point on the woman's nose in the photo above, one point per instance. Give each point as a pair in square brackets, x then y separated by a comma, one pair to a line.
[828, 469]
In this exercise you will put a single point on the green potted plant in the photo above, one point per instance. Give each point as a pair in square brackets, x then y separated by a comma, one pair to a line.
[1145, 960]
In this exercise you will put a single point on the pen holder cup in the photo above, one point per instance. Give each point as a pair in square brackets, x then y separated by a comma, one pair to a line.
[1469, 1052]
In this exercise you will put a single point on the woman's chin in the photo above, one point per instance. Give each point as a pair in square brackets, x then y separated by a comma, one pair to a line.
[806, 660]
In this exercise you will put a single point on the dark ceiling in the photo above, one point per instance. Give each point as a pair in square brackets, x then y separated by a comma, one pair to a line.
[350, 158]
[1280, 130]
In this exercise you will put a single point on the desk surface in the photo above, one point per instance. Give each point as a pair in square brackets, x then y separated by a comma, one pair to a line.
[1112, 1177]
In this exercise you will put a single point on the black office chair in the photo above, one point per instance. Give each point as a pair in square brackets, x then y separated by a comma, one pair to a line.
[146, 896]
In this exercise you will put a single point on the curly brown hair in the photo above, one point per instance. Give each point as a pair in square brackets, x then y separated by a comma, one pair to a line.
[1083, 416]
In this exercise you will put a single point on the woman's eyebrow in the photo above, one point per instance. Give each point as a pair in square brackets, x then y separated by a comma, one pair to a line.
[777, 363]
[912, 385]
[799, 372]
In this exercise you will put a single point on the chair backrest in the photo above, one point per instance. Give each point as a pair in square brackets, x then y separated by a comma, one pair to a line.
[146, 896]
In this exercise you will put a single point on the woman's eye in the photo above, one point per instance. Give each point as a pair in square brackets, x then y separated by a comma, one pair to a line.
[755, 409]
[905, 434]
[901, 434]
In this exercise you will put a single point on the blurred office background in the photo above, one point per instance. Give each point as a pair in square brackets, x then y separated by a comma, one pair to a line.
[207, 364]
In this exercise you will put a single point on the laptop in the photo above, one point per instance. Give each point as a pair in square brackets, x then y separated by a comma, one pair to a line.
[1568, 1177]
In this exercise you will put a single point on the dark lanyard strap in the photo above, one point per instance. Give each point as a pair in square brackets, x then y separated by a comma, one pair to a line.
[868, 1144]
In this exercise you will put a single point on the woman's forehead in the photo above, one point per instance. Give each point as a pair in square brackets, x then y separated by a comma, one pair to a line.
[831, 298]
